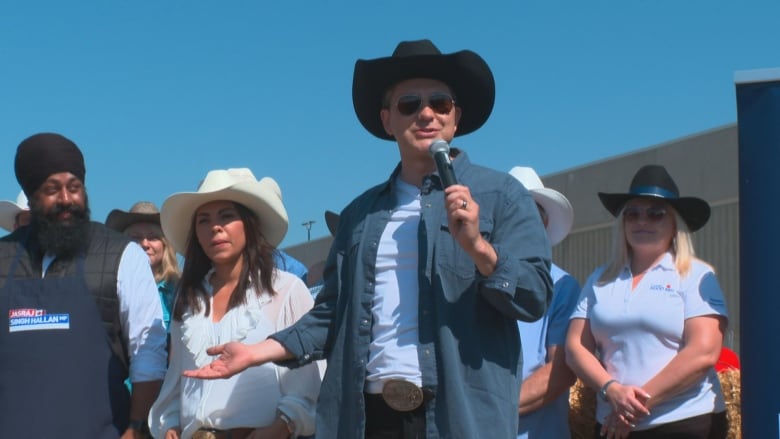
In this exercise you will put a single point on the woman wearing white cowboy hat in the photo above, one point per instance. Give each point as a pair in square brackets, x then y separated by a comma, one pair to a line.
[142, 224]
[649, 325]
[230, 290]
[14, 214]
[544, 394]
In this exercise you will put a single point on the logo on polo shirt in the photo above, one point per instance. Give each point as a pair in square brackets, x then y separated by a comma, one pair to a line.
[35, 319]
[665, 288]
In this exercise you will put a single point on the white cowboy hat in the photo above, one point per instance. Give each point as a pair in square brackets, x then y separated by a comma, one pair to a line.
[560, 214]
[9, 210]
[239, 185]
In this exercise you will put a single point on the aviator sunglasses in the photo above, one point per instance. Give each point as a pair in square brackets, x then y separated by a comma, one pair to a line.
[440, 103]
[653, 214]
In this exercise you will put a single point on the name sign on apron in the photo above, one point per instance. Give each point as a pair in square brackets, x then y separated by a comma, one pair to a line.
[32, 319]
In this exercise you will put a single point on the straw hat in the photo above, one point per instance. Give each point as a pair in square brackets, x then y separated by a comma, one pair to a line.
[560, 214]
[9, 210]
[239, 185]
[140, 212]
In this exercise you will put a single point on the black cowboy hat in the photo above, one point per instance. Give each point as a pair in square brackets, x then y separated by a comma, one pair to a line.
[653, 181]
[140, 212]
[465, 72]
[332, 220]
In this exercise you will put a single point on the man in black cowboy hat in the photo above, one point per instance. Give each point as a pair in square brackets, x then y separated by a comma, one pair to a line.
[424, 283]
[82, 311]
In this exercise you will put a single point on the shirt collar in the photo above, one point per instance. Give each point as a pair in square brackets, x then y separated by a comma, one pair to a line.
[666, 263]
[460, 162]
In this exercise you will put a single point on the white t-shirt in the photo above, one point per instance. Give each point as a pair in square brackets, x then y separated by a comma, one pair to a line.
[638, 332]
[395, 330]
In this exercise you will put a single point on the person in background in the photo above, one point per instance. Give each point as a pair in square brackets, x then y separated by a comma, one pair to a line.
[81, 309]
[649, 324]
[230, 290]
[142, 225]
[14, 214]
[287, 263]
[544, 394]
[423, 283]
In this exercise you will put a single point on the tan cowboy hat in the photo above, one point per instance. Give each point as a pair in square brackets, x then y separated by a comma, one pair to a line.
[140, 212]
[239, 185]
[9, 210]
[560, 214]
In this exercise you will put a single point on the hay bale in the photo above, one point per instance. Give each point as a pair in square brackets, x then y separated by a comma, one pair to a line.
[582, 410]
[732, 393]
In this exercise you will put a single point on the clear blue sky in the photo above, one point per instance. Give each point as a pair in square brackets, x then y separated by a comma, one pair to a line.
[156, 93]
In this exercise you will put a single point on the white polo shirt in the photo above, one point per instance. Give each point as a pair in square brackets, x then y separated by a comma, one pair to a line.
[638, 332]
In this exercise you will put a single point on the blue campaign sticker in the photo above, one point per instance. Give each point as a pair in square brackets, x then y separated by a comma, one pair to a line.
[35, 319]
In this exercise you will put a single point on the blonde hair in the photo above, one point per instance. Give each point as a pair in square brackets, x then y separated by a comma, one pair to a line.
[681, 247]
[168, 270]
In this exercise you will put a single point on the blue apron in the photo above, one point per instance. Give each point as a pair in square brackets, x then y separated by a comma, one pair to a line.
[58, 374]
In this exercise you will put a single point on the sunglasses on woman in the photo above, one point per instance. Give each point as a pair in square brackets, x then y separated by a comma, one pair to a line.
[440, 103]
[653, 214]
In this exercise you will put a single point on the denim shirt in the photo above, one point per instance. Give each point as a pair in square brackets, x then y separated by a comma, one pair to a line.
[469, 347]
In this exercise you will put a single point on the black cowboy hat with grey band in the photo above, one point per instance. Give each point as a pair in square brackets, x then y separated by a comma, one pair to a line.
[465, 72]
[653, 181]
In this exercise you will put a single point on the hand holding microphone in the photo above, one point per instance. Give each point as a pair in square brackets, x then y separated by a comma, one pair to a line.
[440, 151]
[462, 211]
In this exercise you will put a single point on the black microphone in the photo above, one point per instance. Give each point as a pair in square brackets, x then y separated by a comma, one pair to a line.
[440, 151]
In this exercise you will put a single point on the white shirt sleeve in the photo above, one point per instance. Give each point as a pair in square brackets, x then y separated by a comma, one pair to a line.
[140, 314]
[300, 386]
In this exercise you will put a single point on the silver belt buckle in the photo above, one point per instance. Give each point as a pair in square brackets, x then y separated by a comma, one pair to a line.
[402, 395]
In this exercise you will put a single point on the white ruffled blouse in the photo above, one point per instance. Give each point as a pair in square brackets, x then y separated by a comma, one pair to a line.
[250, 398]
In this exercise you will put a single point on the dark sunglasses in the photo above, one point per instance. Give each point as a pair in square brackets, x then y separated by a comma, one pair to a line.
[440, 103]
[653, 214]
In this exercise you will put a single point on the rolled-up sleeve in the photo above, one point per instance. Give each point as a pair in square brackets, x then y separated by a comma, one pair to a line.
[520, 287]
[141, 316]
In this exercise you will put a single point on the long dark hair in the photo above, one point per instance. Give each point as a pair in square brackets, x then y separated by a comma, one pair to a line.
[257, 268]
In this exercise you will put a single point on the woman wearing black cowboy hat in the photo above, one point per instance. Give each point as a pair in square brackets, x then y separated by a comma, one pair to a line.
[424, 284]
[649, 326]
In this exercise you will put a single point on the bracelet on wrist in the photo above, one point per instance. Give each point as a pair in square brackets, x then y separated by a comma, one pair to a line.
[603, 391]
